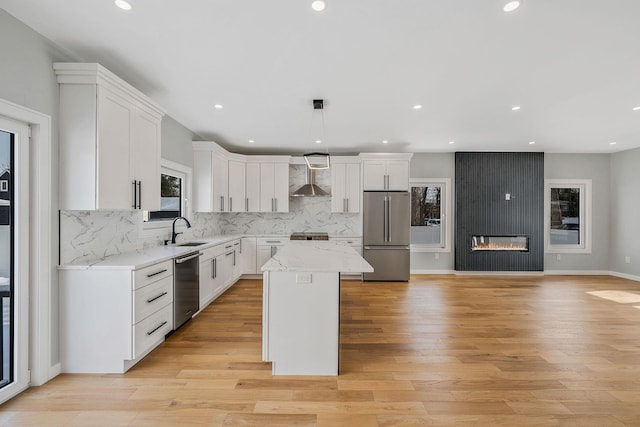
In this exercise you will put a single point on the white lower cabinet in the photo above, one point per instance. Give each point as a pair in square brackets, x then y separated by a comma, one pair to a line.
[211, 274]
[110, 318]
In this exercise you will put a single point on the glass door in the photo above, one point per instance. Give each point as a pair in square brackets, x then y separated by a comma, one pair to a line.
[14, 261]
[6, 238]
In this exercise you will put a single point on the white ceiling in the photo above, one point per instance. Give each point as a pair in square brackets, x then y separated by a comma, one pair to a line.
[572, 65]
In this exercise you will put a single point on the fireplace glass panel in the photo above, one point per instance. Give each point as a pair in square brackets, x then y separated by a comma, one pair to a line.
[499, 243]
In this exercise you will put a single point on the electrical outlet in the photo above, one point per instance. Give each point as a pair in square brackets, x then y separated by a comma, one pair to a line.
[437, 255]
[558, 257]
[507, 196]
[627, 260]
[303, 278]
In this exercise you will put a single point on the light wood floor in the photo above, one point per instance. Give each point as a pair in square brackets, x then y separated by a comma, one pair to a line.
[440, 350]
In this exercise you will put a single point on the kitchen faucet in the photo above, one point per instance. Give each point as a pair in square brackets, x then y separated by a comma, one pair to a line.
[173, 229]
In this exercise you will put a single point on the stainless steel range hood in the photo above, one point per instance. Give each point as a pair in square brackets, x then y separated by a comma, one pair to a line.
[310, 189]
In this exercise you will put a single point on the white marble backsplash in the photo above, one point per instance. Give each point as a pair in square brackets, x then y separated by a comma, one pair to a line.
[95, 235]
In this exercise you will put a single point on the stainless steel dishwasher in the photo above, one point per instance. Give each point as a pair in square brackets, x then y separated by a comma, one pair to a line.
[186, 288]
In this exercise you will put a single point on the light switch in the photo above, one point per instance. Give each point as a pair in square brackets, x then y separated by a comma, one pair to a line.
[303, 278]
[507, 196]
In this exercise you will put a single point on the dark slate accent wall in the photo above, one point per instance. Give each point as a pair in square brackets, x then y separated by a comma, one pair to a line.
[482, 180]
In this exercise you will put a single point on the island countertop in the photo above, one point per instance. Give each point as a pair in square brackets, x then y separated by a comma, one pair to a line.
[317, 256]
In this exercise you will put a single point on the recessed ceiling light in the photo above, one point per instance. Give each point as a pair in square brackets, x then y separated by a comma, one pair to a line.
[531, 142]
[636, 108]
[385, 142]
[511, 6]
[452, 142]
[318, 5]
[417, 107]
[318, 141]
[612, 143]
[251, 141]
[218, 106]
[122, 4]
[515, 108]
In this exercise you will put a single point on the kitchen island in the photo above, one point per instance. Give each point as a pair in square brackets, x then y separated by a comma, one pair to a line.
[301, 306]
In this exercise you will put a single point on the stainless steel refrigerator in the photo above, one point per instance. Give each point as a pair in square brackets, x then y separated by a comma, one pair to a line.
[386, 234]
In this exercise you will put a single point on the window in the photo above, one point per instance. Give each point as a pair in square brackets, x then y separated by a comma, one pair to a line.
[568, 216]
[174, 191]
[430, 203]
[170, 197]
[4, 185]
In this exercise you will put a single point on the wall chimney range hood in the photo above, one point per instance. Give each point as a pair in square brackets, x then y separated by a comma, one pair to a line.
[310, 189]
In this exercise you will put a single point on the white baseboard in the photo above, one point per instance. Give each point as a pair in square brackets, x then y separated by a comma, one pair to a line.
[577, 273]
[625, 276]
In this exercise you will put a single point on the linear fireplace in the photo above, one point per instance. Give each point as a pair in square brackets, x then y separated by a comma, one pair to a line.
[499, 243]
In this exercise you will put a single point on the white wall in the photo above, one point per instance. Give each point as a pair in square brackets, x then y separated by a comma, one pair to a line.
[596, 168]
[624, 209]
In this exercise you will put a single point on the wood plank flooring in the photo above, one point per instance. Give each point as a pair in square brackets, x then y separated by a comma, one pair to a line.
[440, 350]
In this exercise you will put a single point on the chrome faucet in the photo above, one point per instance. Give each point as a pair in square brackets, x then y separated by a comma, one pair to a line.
[173, 229]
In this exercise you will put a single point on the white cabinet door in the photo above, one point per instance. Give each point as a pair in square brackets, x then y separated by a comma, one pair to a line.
[207, 281]
[281, 185]
[374, 176]
[262, 256]
[248, 255]
[252, 187]
[390, 175]
[202, 181]
[237, 195]
[267, 187]
[228, 267]
[274, 187]
[114, 157]
[220, 177]
[345, 187]
[397, 175]
[237, 260]
[338, 187]
[146, 159]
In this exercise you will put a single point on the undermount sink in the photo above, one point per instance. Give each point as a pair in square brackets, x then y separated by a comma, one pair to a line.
[192, 244]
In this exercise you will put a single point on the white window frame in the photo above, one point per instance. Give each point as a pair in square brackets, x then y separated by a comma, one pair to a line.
[446, 223]
[584, 247]
[185, 173]
[4, 185]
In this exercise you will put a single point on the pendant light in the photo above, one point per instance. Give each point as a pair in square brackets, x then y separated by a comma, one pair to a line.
[318, 160]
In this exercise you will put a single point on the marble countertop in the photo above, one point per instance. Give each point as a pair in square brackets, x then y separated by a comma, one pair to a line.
[148, 256]
[317, 255]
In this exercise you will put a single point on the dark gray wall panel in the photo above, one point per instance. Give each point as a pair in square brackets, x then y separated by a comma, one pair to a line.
[482, 180]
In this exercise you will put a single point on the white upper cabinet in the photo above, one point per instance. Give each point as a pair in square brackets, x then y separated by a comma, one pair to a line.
[345, 187]
[110, 141]
[229, 182]
[386, 172]
[274, 187]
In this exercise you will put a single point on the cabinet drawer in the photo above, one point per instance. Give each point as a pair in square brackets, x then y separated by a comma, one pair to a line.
[351, 241]
[150, 274]
[271, 241]
[152, 298]
[212, 252]
[152, 330]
